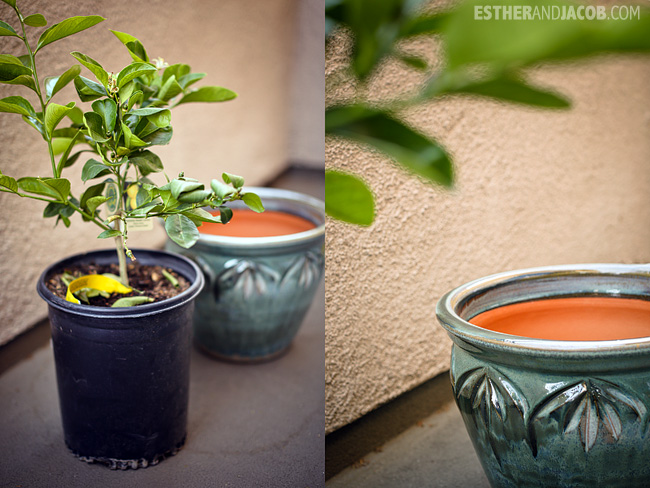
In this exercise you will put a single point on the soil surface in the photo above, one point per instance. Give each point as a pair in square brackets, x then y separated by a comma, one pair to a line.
[149, 280]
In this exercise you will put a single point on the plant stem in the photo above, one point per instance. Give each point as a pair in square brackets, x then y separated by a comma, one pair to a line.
[120, 225]
[32, 60]
[87, 215]
[121, 257]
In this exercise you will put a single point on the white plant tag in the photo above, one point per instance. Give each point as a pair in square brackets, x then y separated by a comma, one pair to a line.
[139, 225]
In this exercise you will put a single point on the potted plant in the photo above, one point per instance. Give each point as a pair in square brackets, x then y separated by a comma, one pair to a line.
[549, 370]
[121, 332]
[261, 276]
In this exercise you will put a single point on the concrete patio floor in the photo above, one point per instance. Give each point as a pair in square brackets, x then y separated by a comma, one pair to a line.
[249, 425]
[436, 452]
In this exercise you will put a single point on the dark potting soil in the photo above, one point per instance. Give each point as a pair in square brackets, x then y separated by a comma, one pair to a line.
[149, 280]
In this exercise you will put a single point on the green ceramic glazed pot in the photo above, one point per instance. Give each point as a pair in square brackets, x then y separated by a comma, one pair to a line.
[552, 413]
[258, 289]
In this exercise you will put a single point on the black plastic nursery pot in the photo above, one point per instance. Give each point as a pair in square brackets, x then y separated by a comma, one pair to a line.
[123, 373]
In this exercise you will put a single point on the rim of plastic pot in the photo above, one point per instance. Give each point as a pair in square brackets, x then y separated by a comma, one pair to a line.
[293, 202]
[459, 305]
[177, 262]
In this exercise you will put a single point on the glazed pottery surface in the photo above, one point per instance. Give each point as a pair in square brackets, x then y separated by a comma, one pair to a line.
[258, 289]
[552, 413]
[123, 373]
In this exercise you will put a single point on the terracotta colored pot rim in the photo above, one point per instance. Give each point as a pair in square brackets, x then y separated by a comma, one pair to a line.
[606, 280]
[281, 200]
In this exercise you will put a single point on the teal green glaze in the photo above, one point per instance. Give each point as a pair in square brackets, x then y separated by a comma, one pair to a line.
[552, 413]
[258, 289]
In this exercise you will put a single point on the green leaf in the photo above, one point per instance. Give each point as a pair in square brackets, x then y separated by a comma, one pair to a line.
[226, 214]
[131, 301]
[92, 191]
[8, 183]
[11, 3]
[176, 70]
[94, 67]
[131, 140]
[189, 79]
[16, 105]
[511, 90]
[160, 117]
[107, 109]
[181, 230]
[375, 27]
[237, 181]
[179, 186]
[170, 89]
[95, 202]
[60, 185]
[26, 60]
[413, 61]
[348, 198]
[470, 38]
[200, 215]
[7, 30]
[253, 201]
[88, 90]
[208, 94]
[147, 162]
[146, 209]
[413, 150]
[35, 20]
[136, 97]
[132, 71]
[24, 80]
[95, 125]
[109, 233]
[11, 67]
[196, 196]
[135, 47]
[221, 189]
[423, 25]
[67, 28]
[94, 169]
[65, 161]
[125, 92]
[57, 209]
[14, 72]
[76, 115]
[160, 137]
[55, 83]
[57, 188]
[54, 113]
[166, 197]
[124, 37]
[61, 144]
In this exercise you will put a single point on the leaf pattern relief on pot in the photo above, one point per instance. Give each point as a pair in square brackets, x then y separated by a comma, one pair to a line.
[495, 407]
[588, 407]
[304, 272]
[246, 279]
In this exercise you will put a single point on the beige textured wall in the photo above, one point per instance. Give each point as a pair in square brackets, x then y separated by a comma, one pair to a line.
[244, 45]
[306, 140]
[533, 188]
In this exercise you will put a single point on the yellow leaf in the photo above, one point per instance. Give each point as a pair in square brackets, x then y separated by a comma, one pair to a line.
[96, 282]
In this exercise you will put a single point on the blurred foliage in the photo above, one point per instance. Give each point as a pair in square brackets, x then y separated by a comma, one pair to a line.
[484, 58]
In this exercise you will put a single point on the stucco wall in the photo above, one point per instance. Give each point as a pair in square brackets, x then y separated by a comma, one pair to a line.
[244, 45]
[306, 140]
[533, 188]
